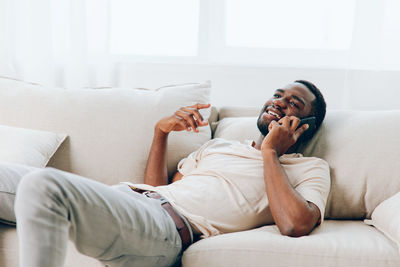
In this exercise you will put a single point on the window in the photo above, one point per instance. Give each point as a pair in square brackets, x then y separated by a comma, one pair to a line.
[291, 24]
[154, 27]
[307, 33]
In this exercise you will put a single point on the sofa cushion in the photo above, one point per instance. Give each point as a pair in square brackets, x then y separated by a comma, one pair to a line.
[386, 218]
[110, 130]
[231, 112]
[360, 148]
[241, 129]
[10, 175]
[334, 243]
[27, 146]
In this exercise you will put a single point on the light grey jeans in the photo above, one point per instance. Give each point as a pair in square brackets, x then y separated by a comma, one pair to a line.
[113, 224]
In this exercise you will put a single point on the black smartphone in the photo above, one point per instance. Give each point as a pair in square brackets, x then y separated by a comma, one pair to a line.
[308, 134]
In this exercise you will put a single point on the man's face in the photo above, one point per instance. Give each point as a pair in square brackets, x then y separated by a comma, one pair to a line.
[291, 100]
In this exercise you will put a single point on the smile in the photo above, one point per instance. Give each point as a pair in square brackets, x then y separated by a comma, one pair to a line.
[274, 114]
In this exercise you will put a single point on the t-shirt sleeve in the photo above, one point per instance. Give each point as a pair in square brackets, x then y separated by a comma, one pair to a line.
[315, 185]
[189, 163]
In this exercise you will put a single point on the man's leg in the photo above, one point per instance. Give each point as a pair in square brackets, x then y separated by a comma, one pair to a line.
[116, 227]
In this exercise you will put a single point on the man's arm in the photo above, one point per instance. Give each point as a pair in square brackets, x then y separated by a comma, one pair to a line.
[293, 215]
[186, 118]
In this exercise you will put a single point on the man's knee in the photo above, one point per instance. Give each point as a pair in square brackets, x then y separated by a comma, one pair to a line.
[38, 181]
[39, 186]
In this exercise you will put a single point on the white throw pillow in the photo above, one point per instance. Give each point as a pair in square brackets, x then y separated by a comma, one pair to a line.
[386, 218]
[28, 147]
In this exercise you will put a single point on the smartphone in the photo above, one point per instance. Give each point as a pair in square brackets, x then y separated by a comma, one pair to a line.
[308, 134]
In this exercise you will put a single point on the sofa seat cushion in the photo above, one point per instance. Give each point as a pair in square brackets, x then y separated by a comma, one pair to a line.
[334, 243]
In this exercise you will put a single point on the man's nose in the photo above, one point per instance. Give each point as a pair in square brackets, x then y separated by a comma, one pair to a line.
[279, 102]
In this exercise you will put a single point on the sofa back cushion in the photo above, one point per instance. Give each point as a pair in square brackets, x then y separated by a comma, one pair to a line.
[109, 130]
[361, 148]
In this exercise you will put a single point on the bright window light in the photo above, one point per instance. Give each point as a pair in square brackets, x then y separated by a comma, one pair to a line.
[293, 24]
[154, 27]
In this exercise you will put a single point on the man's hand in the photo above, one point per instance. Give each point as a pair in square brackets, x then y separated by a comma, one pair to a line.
[282, 135]
[185, 118]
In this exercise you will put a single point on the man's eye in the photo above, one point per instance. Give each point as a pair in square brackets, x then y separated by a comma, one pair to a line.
[277, 95]
[293, 104]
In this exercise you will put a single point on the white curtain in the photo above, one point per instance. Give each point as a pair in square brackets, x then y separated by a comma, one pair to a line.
[66, 43]
[55, 42]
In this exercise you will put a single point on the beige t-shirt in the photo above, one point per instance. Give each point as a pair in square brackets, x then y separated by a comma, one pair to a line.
[222, 189]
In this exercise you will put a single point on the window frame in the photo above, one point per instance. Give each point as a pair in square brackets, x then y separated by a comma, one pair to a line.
[212, 49]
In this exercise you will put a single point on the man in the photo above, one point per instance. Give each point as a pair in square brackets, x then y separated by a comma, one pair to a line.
[225, 186]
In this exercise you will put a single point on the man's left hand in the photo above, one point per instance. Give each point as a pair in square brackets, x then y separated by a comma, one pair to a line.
[282, 135]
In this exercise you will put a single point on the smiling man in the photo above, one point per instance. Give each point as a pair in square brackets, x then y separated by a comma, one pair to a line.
[278, 123]
[224, 186]
[227, 186]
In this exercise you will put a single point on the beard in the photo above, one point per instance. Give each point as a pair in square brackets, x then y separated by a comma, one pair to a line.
[262, 125]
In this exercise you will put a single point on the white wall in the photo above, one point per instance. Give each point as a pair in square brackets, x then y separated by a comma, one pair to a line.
[251, 86]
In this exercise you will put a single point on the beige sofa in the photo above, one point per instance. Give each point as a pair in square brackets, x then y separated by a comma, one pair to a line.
[109, 132]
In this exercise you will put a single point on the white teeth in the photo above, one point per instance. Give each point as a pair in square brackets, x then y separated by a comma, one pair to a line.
[273, 114]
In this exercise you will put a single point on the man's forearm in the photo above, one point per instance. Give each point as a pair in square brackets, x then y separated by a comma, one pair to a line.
[156, 169]
[185, 118]
[291, 212]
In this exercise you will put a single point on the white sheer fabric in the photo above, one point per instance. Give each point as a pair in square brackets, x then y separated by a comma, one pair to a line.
[68, 43]
[55, 42]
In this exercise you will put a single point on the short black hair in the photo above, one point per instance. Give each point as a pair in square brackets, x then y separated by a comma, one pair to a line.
[318, 105]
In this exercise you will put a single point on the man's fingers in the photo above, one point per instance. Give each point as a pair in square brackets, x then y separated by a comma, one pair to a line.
[272, 124]
[200, 106]
[188, 119]
[182, 122]
[294, 122]
[285, 121]
[196, 114]
[301, 130]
